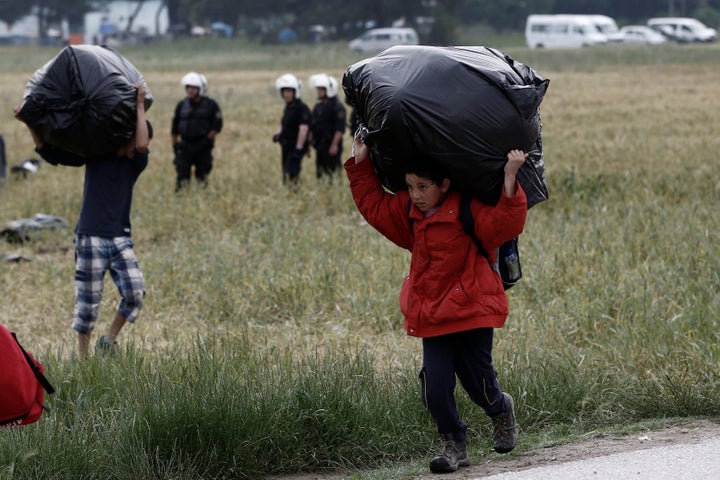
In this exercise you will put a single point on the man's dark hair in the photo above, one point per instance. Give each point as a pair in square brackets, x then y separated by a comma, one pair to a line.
[425, 167]
[150, 129]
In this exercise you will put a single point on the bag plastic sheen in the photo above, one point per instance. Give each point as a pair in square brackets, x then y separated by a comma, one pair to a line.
[83, 100]
[465, 107]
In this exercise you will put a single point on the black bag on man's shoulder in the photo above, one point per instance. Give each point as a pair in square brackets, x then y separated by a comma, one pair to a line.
[83, 100]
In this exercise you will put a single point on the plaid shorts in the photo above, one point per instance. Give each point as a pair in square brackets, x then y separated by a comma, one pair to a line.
[93, 257]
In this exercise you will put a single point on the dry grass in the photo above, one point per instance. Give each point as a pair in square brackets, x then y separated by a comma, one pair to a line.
[614, 322]
[248, 257]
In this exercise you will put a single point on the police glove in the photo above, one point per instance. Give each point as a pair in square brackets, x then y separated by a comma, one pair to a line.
[177, 147]
[296, 155]
[276, 138]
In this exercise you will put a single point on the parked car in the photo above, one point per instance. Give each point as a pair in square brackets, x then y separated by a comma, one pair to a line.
[562, 31]
[381, 38]
[683, 29]
[640, 35]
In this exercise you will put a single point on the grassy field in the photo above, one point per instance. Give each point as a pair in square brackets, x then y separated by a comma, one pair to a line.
[271, 340]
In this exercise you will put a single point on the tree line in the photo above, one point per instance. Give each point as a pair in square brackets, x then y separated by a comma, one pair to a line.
[436, 19]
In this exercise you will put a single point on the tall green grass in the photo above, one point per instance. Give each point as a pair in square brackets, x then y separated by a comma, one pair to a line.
[271, 340]
[215, 410]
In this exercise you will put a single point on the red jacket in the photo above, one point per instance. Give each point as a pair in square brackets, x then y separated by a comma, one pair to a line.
[451, 287]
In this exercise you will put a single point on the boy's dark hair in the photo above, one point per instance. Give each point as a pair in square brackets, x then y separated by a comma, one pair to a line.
[425, 167]
[150, 129]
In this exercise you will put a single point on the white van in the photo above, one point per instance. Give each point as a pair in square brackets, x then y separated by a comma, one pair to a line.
[562, 31]
[607, 26]
[683, 29]
[381, 38]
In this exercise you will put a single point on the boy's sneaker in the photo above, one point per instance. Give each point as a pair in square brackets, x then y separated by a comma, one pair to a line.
[453, 455]
[105, 346]
[505, 429]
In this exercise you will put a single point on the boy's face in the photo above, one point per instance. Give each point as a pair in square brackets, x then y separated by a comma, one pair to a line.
[425, 193]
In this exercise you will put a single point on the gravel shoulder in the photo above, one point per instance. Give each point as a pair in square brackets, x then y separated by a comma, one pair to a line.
[689, 432]
[683, 433]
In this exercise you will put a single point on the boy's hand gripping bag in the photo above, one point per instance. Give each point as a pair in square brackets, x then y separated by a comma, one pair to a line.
[465, 107]
[22, 383]
[83, 100]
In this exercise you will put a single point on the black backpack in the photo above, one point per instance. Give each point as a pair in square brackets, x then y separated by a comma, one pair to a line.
[507, 263]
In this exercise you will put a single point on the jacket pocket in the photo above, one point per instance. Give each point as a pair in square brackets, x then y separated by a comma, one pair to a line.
[454, 305]
[462, 303]
[406, 303]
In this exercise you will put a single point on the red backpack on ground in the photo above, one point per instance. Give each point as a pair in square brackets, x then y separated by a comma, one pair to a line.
[22, 383]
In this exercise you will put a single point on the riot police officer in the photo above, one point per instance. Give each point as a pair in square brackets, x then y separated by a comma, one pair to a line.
[294, 127]
[328, 125]
[196, 123]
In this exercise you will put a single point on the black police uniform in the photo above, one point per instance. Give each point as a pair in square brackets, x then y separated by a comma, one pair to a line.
[328, 117]
[192, 122]
[296, 113]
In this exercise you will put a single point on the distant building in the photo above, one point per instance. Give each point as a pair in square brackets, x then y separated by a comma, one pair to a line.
[26, 31]
[23, 31]
[110, 21]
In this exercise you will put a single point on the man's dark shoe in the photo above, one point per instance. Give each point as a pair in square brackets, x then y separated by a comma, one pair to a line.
[105, 346]
[505, 429]
[453, 455]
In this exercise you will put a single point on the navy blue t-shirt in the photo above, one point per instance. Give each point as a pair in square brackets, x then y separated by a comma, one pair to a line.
[108, 190]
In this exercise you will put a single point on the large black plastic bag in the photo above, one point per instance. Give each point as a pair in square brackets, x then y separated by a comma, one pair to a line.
[465, 107]
[83, 100]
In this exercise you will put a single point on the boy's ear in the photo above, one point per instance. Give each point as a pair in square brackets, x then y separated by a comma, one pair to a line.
[445, 186]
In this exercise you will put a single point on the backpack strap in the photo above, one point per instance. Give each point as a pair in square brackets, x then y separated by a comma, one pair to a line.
[33, 366]
[410, 219]
[466, 220]
[468, 224]
[509, 268]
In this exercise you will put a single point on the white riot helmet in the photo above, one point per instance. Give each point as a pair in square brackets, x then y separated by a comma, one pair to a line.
[194, 79]
[323, 80]
[289, 81]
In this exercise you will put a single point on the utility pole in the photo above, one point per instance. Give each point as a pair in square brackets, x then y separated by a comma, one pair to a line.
[3, 162]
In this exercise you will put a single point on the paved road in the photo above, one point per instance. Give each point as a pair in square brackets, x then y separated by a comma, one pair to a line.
[697, 461]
